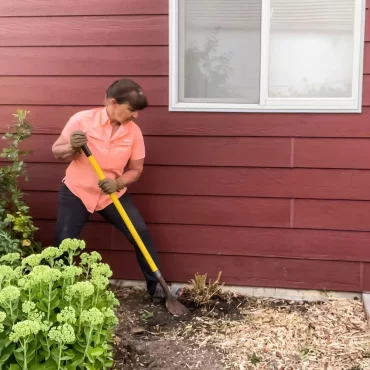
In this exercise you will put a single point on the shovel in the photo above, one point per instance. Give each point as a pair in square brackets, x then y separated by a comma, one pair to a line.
[172, 304]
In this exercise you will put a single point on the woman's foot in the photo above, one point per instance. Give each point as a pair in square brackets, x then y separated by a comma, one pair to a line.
[159, 294]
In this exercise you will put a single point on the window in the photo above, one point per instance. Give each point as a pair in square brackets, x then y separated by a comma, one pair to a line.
[266, 55]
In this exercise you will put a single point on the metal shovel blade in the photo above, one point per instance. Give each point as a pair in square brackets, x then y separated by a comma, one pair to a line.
[173, 306]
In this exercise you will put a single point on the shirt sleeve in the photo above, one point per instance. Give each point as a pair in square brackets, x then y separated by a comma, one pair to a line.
[72, 125]
[138, 146]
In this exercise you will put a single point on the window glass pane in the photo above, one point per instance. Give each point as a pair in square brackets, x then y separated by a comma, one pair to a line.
[219, 50]
[311, 48]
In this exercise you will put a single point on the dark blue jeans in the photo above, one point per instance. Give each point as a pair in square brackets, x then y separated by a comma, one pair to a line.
[73, 215]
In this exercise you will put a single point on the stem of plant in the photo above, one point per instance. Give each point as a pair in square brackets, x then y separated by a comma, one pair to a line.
[96, 298]
[63, 287]
[47, 345]
[88, 342]
[24, 355]
[49, 301]
[81, 307]
[60, 355]
[17, 306]
[11, 312]
[101, 327]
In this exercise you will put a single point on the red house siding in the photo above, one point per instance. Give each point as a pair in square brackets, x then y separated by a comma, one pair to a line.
[279, 200]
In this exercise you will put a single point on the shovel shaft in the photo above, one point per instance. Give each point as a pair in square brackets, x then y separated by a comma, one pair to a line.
[122, 213]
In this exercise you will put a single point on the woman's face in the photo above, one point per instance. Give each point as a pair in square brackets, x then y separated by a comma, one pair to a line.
[121, 113]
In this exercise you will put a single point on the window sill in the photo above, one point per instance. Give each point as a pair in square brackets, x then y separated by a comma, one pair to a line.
[345, 106]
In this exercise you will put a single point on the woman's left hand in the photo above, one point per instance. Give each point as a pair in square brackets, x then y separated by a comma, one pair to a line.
[109, 186]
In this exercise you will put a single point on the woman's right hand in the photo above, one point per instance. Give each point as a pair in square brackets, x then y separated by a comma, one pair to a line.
[78, 139]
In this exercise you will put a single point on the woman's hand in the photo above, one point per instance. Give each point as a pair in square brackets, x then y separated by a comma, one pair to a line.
[77, 140]
[132, 173]
[110, 186]
[69, 149]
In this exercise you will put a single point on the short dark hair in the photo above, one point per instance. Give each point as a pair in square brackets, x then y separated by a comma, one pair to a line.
[127, 91]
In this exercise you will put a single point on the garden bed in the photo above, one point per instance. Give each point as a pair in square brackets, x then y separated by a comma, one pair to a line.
[241, 333]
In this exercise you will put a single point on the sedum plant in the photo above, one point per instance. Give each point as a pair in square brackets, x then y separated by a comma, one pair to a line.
[54, 314]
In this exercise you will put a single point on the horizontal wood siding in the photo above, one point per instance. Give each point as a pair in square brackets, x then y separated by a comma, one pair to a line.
[72, 90]
[228, 182]
[273, 200]
[42, 8]
[86, 31]
[84, 61]
[184, 210]
[50, 119]
[250, 271]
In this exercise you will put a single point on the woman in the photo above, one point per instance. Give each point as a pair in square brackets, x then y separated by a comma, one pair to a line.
[118, 146]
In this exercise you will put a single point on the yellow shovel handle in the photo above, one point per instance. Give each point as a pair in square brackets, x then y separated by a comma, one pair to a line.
[121, 211]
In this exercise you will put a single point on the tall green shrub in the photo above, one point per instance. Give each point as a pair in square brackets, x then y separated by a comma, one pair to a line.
[16, 225]
[56, 315]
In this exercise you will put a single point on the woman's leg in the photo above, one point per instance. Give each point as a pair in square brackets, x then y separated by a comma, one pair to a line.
[111, 215]
[72, 216]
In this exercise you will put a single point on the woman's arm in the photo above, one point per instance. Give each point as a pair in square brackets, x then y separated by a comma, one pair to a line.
[69, 149]
[133, 172]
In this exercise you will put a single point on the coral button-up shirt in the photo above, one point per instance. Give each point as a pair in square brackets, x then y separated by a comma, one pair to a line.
[111, 153]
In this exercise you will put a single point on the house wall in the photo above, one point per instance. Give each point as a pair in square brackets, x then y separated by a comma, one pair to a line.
[273, 200]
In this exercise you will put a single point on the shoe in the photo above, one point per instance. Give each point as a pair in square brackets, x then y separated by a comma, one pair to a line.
[159, 295]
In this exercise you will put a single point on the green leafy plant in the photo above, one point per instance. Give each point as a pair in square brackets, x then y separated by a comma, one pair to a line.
[15, 222]
[7, 243]
[55, 314]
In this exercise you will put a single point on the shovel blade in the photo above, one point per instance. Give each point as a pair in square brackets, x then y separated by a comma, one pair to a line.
[175, 307]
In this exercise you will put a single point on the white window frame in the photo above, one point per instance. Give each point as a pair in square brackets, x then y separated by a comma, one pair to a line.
[283, 105]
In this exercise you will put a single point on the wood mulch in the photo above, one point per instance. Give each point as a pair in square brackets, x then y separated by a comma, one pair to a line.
[242, 333]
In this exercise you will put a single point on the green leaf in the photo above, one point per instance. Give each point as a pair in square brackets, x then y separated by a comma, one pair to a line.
[30, 354]
[2, 343]
[42, 306]
[108, 363]
[86, 331]
[66, 358]
[79, 348]
[90, 358]
[55, 354]
[6, 354]
[77, 360]
[54, 294]
[71, 367]
[19, 355]
[95, 352]
[54, 303]
[69, 352]
[48, 365]
[89, 367]
[15, 367]
[44, 354]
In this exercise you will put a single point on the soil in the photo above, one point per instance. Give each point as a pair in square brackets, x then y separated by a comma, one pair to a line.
[241, 333]
[144, 337]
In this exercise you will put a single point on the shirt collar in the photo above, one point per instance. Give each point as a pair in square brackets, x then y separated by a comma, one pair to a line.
[105, 119]
[104, 116]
